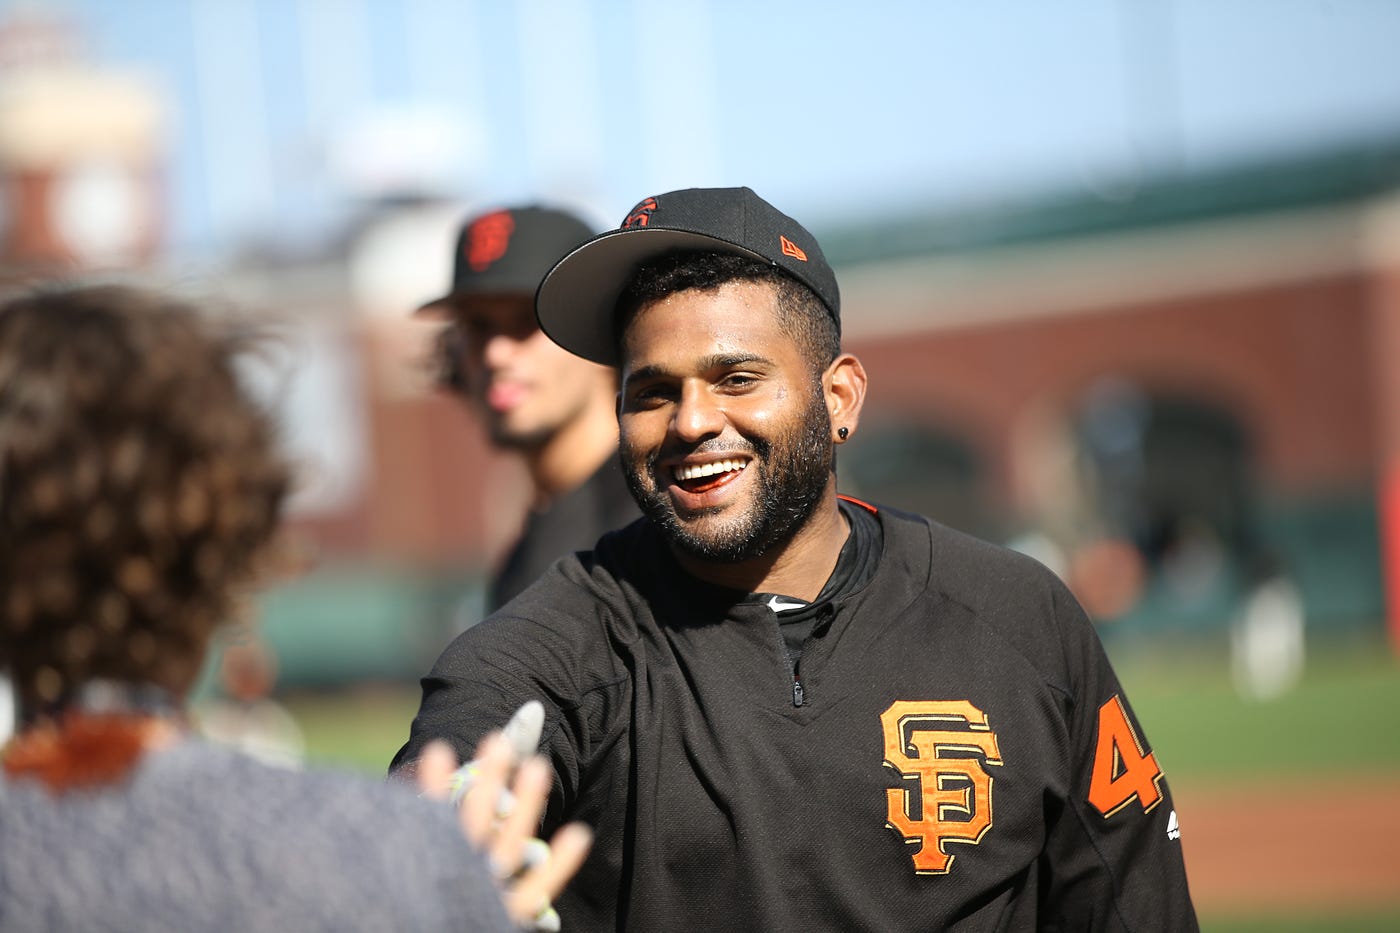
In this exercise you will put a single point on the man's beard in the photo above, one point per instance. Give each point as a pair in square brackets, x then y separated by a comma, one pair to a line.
[526, 440]
[502, 433]
[793, 471]
[505, 438]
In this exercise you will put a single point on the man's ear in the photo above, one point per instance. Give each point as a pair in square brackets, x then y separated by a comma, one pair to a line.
[844, 386]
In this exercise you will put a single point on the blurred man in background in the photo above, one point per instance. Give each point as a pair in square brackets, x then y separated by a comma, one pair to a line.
[553, 408]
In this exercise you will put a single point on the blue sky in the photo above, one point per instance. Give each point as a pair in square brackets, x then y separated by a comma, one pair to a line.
[289, 112]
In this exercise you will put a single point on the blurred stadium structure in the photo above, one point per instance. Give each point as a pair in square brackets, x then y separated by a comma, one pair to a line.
[1174, 393]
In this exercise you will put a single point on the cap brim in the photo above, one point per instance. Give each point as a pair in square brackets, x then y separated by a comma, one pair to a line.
[441, 307]
[436, 308]
[576, 299]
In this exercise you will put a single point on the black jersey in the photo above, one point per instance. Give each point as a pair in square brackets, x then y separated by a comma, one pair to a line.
[960, 754]
[573, 522]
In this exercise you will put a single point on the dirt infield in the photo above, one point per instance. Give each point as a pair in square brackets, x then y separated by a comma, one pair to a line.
[1292, 844]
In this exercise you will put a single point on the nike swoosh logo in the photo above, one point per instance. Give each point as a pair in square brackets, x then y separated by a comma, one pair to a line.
[782, 604]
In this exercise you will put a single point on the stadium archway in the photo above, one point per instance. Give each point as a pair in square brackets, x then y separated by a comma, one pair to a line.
[1172, 475]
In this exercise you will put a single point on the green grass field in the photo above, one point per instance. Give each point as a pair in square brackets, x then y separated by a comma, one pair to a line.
[1387, 921]
[1344, 716]
[359, 729]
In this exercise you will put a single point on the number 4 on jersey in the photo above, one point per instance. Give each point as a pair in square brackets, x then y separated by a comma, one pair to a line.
[1122, 771]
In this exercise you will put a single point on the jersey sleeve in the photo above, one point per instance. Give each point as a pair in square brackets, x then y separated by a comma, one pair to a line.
[483, 677]
[1113, 858]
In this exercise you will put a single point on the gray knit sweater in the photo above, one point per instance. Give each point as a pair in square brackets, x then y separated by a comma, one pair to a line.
[202, 838]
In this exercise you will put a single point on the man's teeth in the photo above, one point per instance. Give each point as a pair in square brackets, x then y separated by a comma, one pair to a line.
[698, 470]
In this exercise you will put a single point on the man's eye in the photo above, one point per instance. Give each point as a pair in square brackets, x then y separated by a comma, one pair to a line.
[654, 393]
[738, 380]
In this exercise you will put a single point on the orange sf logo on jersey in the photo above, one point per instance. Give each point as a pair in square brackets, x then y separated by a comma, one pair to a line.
[941, 750]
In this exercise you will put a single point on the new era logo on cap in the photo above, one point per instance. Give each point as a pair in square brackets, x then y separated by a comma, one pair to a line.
[792, 249]
[575, 303]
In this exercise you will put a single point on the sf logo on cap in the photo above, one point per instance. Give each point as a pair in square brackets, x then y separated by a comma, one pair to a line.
[640, 216]
[488, 239]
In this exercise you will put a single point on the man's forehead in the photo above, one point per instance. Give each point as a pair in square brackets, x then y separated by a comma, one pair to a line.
[737, 319]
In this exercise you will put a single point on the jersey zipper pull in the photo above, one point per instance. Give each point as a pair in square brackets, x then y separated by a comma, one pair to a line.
[798, 694]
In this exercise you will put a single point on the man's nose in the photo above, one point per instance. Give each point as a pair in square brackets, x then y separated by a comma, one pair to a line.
[698, 415]
[497, 349]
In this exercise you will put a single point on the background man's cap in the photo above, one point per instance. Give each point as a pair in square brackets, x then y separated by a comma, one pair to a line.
[509, 251]
[576, 301]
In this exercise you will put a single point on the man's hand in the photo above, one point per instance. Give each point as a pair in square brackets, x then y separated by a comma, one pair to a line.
[502, 823]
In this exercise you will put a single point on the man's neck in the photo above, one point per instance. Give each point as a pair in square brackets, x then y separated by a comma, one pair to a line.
[572, 454]
[799, 568]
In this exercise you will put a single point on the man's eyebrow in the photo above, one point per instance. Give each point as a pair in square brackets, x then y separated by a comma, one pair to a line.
[646, 372]
[714, 361]
[730, 360]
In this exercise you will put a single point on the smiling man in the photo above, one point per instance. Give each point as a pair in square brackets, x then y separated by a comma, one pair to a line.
[783, 709]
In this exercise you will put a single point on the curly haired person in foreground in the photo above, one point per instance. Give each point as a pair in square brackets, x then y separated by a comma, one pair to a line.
[140, 490]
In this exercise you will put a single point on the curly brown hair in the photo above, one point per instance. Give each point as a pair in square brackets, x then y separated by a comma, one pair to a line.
[139, 485]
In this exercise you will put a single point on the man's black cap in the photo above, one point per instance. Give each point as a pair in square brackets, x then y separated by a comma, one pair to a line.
[508, 251]
[577, 299]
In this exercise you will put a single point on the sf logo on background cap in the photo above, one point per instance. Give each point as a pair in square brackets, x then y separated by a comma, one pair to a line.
[488, 239]
[640, 215]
